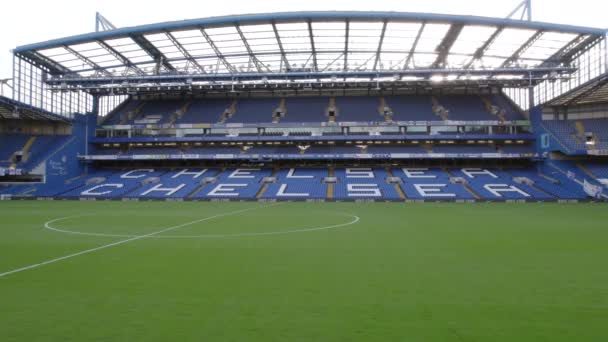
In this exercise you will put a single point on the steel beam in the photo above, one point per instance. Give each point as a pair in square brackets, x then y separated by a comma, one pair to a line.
[446, 44]
[185, 52]
[53, 67]
[152, 51]
[481, 51]
[522, 49]
[258, 65]
[537, 73]
[89, 62]
[218, 53]
[280, 43]
[312, 45]
[414, 46]
[380, 45]
[124, 60]
[347, 38]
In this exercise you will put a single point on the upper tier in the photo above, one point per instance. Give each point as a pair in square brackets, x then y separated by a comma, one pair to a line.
[315, 110]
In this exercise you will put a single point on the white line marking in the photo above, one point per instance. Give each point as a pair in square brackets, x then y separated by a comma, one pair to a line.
[122, 242]
[355, 218]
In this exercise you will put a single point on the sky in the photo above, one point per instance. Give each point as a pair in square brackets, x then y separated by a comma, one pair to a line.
[24, 22]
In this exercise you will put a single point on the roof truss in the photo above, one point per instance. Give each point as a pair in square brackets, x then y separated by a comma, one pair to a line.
[152, 51]
[446, 45]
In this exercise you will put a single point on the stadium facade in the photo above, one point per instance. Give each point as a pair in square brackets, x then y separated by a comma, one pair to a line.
[318, 106]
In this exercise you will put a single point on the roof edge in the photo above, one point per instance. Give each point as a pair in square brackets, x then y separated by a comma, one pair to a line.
[312, 15]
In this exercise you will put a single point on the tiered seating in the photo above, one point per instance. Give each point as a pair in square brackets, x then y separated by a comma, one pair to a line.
[42, 147]
[38, 148]
[599, 128]
[307, 183]
[565, 131]
[364, 183]
[310, 109]
[9, 144]
[465, 108]
[429, 184]
[306, 109]
[204, 111]
[254, 111]
[302, 183]
[235, 184]
[116, 116]
[511, 113]
[493, 184]
[176, 184]
[411, 108]
[358, 109]
[599, 170]
[565, 189]
[116, 185]
[162, 109]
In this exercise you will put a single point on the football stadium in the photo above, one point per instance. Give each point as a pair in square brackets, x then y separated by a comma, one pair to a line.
[307, 176]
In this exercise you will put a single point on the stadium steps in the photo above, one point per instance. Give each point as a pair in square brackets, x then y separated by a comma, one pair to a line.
[332, 106]
[179, 113]
[264, 187]
[261, 191]
[533, 186]
[132, 114]
[471, 191]
[466, 186]
[381, 109]
[493, 109]
[25, 150]
[586, 171]
[228, 113]
[580, 128]
[196, 191]
[550, 179]
[330, 187]
[282, 108]
[389, 172]
[439, 110]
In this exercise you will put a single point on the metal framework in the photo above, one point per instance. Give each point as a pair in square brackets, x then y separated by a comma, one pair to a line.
[308, 49]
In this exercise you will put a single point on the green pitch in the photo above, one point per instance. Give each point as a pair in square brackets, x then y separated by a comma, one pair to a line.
[116, 271]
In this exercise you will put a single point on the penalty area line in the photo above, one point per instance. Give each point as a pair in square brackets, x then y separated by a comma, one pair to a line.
[122, 242]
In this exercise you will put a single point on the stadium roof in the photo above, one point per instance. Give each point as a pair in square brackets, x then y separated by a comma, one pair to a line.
[342, 44]
[14, 110]
[592, 92]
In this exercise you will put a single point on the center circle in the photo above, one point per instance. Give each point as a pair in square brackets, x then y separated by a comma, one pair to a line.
[352, 219]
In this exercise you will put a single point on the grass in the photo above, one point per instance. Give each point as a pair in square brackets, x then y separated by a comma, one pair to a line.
[404, 272]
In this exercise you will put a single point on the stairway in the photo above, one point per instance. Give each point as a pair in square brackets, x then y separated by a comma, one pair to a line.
[466, 186]
[330, 187]
[179, 113]
[493, 109]
[586, 171]
[281, 109]
[132, 114]
[25, 150]
[228, 113]
[402, 196]
[440, 110]
[332, 107]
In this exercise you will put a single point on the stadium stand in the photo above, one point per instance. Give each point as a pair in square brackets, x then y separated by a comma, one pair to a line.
[299, 131]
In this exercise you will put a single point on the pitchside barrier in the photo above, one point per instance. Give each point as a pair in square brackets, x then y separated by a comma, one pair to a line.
[407, 201]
